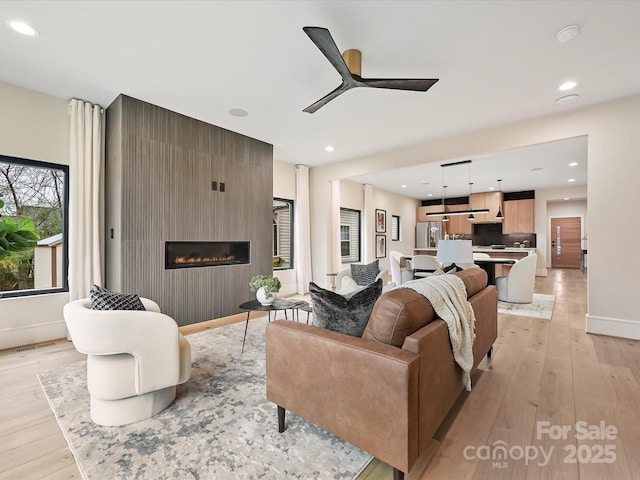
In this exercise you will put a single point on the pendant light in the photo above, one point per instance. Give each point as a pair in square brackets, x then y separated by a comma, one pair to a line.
[499, 215]
[444, 208]
[444, 214]
[471, 217]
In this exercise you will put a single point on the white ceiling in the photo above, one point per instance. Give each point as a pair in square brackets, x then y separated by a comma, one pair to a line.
[497, 61]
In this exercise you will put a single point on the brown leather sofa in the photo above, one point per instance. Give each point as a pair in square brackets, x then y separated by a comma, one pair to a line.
[388, 391]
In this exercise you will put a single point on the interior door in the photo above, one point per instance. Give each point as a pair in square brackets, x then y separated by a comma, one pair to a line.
[565, 242]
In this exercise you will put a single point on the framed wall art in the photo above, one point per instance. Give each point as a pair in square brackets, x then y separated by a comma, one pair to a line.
[381, 246]
[381, 221]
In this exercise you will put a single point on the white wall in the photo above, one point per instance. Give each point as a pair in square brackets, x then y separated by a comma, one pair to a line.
[352, 196]
[564, 209]
[546, 198]
[284, 186]
[613, 146]
[33, 126]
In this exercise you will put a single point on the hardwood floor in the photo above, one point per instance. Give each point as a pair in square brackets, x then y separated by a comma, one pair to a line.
[543, 373]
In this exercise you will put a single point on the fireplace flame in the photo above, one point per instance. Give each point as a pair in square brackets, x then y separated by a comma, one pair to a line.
[189, 260]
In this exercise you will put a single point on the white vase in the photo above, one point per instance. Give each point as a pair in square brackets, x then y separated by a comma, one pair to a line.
[265, 297]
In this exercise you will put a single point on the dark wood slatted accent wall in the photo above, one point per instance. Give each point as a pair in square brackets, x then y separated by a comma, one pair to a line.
[160, 166]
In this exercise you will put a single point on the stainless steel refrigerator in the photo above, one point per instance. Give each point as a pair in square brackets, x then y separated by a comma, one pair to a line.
[428, 234]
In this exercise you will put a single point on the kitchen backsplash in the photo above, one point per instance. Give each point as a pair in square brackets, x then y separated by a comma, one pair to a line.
[491, 234]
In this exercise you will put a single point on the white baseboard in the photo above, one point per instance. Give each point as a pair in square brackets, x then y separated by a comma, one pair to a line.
[613, 327]
[542, 272]
[41, 332]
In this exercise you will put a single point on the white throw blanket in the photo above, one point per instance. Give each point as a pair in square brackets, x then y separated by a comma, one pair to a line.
[448, 296]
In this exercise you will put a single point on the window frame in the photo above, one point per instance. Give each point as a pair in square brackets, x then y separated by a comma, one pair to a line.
[65, 227]
[359, 235]
[395, 221]
[291, 204]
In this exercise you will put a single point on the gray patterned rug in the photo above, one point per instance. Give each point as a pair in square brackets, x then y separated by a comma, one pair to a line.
[541, 307]
[220, 427]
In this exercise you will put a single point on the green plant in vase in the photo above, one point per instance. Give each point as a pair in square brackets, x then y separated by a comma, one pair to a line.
[266, 287]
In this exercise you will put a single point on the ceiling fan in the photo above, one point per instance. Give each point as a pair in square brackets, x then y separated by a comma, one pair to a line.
[349, 68]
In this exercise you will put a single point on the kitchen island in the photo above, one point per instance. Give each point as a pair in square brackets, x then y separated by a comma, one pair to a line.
[508, 252]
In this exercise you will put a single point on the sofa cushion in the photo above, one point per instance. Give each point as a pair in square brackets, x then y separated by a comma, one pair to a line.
[348, 285]
[402, 311]
[475, 279]
[397, 314]
[347, 314]
[103, 299]
[365, 274]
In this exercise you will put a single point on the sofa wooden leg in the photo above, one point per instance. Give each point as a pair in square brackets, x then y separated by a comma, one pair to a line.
[490, 352]
[397, 474]
[281, 412]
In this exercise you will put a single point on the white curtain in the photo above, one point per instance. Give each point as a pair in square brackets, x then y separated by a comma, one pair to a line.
[86, 198]
[334, 257]
[368, 225]
[302, 230]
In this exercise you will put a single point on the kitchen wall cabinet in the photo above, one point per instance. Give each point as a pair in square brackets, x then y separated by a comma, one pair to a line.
[518, 217]
[421, 213]
[458, 223]
[490, 200]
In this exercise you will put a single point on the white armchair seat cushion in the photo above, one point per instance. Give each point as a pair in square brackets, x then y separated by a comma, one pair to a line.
[517, 287]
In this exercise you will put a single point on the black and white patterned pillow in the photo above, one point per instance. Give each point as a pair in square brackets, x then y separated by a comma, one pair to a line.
[103, 299]
[347, 314]
[365, 274]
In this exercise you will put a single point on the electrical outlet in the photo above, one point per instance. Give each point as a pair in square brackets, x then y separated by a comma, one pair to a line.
[221, 187]
[214, 185]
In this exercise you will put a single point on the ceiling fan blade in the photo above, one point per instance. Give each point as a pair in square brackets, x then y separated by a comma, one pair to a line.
[328, 97]
[416, 84]
[324, 41]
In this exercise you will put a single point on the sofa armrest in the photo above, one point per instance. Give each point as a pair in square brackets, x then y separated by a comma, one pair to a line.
[361, 390]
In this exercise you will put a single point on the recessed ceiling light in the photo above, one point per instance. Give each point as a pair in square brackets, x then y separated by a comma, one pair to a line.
[329, 148]
[430, 195]
[566, 198]
[492, 188]
[403, 186]
[571, 180]
[567, 85]
[568, 33]
[573, 164]
[238, 112]
[567, 99]
[22, 27]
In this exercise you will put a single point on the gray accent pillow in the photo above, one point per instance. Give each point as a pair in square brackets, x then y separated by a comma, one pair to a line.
[365, 274]
[103, 299]
[347, 314]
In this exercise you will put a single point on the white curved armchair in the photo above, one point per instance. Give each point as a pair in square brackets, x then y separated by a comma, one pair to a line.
[135, 359]
[517, 287]
[424, 265]
[399, 274]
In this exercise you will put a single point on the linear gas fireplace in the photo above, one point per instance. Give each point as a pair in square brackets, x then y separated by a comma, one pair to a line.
[205, 254]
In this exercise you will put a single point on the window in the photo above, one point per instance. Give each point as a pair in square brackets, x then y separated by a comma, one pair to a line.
[282, 233]
[395, 228]
[37, 192]
[350, 235]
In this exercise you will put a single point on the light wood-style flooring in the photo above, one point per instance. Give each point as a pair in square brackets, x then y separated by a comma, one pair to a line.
[541, 371]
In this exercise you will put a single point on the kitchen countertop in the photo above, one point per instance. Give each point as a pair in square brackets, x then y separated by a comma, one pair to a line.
[507, 249]
[481, 249]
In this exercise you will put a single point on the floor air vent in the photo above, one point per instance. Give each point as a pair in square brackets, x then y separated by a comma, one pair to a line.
[33, 347]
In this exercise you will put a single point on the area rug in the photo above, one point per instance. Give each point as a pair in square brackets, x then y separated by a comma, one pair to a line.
[541, 307]
[220, 427]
